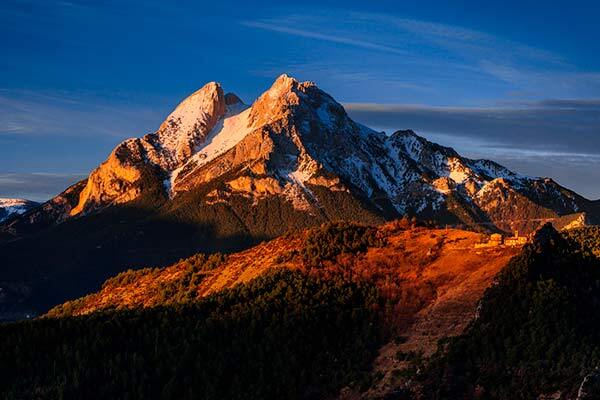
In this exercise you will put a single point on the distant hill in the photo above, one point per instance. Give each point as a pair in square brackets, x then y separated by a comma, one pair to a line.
[13, 207]
[393, 251]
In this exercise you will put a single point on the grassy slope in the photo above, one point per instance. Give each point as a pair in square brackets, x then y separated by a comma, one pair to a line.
[431, 263]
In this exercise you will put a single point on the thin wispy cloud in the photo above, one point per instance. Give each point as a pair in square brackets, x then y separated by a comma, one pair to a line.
[42, 113]
[467, 40]
[35, 186]
[321, 36]
[568, 126]
[545, 81]
[571, 104]
[441, 54]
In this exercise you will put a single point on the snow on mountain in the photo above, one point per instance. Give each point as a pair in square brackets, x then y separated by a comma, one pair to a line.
[9, 207]
[190, 123]
[229, 130]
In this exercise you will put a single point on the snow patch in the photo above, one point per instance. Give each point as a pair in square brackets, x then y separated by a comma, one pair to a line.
[300, 177]
[296, 191]
[186, 120]
[412, 147]
[228, 132]
[325, 116]
[495, 171]
[456, 171]
[458, 176]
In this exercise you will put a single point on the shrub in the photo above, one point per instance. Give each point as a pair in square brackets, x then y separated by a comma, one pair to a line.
[331, 240]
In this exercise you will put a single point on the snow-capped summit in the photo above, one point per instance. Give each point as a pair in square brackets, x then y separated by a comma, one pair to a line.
[189, 124]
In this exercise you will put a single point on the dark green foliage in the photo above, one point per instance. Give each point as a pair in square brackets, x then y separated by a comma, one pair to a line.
[183, 290]
[282, 336]
[537, 330]
[202, 262]
[588, 238]
[331, 240]
[130, 276]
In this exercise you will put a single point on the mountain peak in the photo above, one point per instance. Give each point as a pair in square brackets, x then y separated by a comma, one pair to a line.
[288, 96]
[285, 84]
[405, 132]
[208, 95]
[188, 125]
[282, 85]
[285, 80]
[200, 106]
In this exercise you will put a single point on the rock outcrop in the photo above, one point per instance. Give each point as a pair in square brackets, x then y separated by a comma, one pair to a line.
[117, 180]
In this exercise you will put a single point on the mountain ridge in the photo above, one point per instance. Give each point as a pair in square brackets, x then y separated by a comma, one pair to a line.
[219, 175]
[294, 136]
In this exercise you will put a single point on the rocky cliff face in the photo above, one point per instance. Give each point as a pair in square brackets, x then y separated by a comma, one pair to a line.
[118, 179]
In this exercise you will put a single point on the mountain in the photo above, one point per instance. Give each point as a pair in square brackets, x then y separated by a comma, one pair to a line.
[11, 207]
[219, 175]
[294, 143]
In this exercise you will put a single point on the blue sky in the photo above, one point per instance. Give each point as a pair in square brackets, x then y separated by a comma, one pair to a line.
[513, 81]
